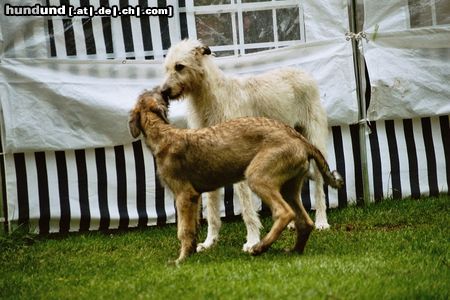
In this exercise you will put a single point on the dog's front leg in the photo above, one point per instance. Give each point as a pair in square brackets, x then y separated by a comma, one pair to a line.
[187, 212]
[213, 218]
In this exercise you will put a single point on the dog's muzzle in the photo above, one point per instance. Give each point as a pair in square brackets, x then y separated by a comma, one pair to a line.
[166, 92]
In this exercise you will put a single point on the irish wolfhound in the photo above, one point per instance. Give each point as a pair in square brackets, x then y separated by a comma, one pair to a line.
[288, 95]
[271, 156]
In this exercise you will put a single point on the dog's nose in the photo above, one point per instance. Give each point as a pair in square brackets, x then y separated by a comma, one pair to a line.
[166, 91]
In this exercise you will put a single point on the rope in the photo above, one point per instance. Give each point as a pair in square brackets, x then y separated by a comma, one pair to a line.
[367, 126]
[356, 36]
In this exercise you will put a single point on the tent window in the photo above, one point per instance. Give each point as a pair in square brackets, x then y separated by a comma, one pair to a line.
[145, 37]
[425, 13]
[236, 27]
[442, 12]
[232, 27]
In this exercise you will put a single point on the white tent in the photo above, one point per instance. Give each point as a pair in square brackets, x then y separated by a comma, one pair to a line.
[68, 83]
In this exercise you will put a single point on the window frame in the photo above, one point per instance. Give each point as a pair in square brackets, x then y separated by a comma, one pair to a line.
[236, 8]
[434, 13]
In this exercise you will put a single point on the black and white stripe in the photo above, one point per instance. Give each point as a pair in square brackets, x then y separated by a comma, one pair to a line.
[409, 158]
[87, 189]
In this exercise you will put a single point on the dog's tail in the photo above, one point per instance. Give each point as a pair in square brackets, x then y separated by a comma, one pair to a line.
[332, 178]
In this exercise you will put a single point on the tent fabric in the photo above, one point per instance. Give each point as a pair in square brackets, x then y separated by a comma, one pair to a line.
[407, 68]
[67, 85]
[82, 103]
[407, 55]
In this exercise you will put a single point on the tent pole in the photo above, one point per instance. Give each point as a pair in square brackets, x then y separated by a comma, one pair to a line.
[359, 65]
[4, 203]
[3, 195]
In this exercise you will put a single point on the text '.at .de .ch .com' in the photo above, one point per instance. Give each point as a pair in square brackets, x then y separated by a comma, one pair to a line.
[87, 11]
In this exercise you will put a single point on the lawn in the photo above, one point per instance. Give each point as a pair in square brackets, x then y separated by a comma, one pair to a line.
[389, 250]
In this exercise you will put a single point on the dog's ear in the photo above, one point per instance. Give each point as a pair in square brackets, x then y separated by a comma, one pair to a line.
[161, 111]
[134, 123]
[203, 50]
[206, 50]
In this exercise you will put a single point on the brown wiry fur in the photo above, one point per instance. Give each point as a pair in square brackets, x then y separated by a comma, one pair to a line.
[271, 156]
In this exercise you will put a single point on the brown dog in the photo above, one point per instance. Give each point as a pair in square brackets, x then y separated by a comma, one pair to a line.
[271, 156]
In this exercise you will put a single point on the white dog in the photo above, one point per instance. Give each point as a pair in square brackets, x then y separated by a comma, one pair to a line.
[287, 94]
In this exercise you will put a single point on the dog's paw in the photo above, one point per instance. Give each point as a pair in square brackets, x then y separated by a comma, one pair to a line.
[258, 249]
[201, 247]
[291, 225]
[255, 251]
[249, 245]
[173, 263]
[204, 246]
[322, 225]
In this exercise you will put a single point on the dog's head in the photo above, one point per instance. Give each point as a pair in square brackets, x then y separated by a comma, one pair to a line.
[184, 67]
[152, 101]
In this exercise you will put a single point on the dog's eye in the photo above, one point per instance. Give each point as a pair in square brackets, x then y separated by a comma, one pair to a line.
[179, 67]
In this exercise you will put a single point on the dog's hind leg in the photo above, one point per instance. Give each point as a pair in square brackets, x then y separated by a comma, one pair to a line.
[213, 218]
[314, 127]
[249, 214]
[303, 223]
[318, 139]
[319, 196]
[261, 182]
[282, 214]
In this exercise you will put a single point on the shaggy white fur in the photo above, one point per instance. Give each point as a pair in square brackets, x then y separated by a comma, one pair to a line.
[288, 95]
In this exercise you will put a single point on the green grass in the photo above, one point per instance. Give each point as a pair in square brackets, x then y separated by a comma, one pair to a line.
[389, 250]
